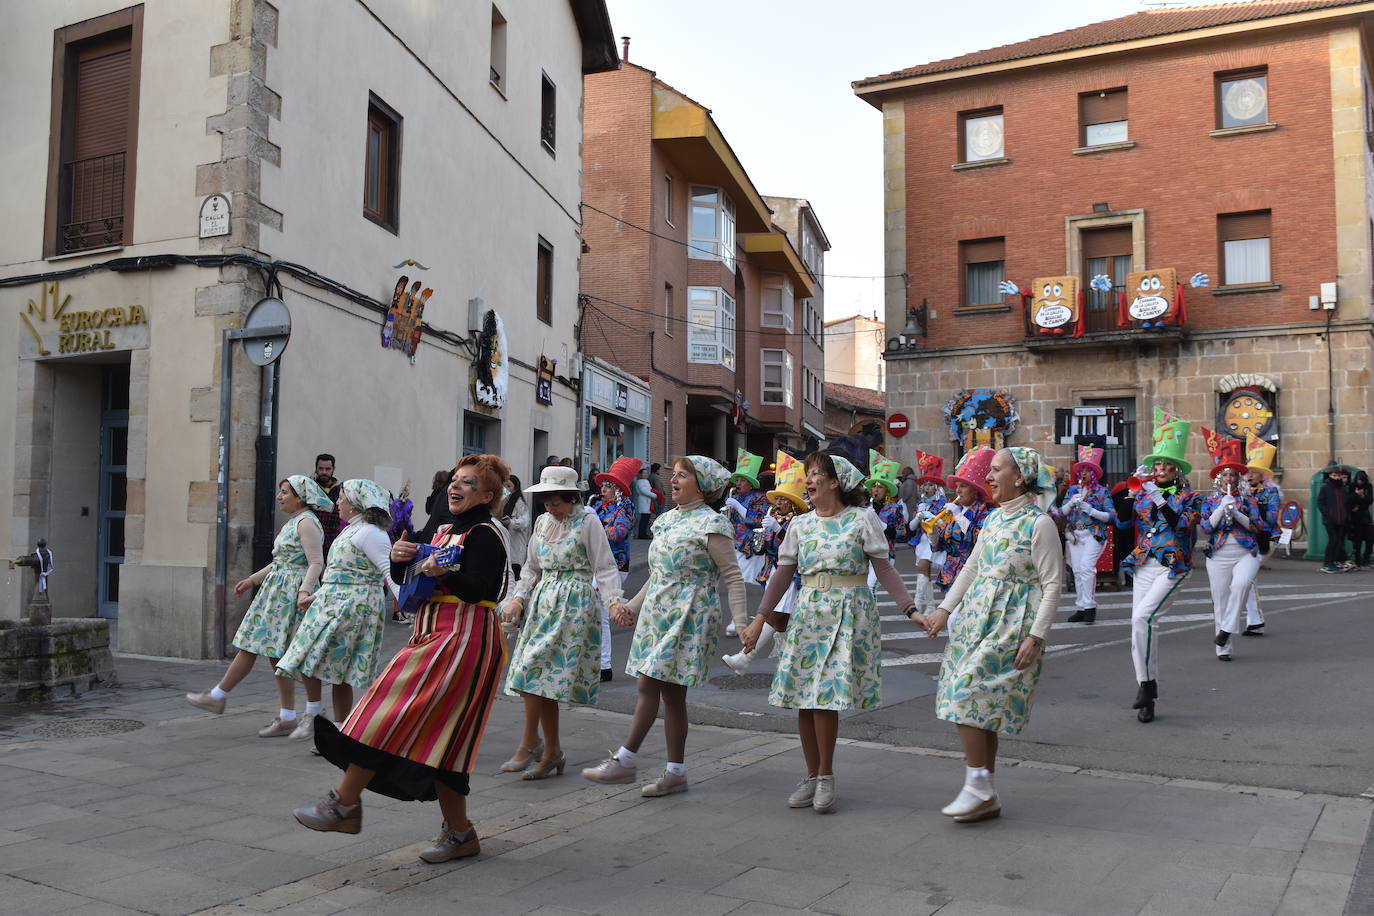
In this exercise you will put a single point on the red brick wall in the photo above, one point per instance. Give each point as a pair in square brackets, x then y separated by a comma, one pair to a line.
[1179, 175]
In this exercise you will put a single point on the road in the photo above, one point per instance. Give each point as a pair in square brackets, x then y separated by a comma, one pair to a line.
[1290, 712]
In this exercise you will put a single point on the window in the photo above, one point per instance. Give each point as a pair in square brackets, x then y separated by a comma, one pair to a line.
[811, 251]
[812, 389]
[497, 74]
[668, 199]
[1244, 239]
[980, 135]
[1105, 252]
[548, 114]
[711, 326]
[668, 309]
[1102, 115]
[667, 427]
[94, 133]
[543, 305]
[777, 302]
[713, 226]
[382, 174]
[981, 261]
[1242, 98]
[777, 377]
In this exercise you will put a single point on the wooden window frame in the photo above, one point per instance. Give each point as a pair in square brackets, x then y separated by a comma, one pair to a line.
[62, 114]
[548, 114]
[543, 281]
[1224, 236]
[966, 116]
[388, 215]
[1087, 100]
[1230, 76]
[966, 260]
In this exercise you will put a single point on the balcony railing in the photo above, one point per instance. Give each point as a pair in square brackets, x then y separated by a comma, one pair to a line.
[94, 193]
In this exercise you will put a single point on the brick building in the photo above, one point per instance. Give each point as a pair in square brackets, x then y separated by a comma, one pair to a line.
[1230, 140]
[691, 282]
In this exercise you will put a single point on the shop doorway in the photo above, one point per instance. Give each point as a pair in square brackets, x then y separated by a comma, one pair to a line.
[113, 476]
[1118, 460]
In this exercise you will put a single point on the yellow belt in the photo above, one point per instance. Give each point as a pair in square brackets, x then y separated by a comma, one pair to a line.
[453, 599]
[829, 580]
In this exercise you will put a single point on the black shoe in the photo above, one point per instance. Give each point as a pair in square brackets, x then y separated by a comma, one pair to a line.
[1223, 658]
[1254, 630]
[1147, 713]
[1146, 695]
[1081, 616]
[1222, 638]
[607, 674]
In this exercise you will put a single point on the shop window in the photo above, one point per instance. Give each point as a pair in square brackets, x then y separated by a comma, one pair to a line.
[776, 377]
[497, 57]
[981, 269]
[543, 306]
[713, 226]
[777, 302]
[980, 135]
[548, 115]
[94, 133]
[1244, 241]
[382, 175]
[1102, 117]
[1242, 99]
[711, 326]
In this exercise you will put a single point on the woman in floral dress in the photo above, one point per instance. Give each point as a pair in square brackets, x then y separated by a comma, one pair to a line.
[272, 618]
[832, 649]
[1010, 592]
[558, 654]
[340, 638]
[679, 618]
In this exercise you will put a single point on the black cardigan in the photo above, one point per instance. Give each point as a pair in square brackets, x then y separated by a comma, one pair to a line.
[481, 573]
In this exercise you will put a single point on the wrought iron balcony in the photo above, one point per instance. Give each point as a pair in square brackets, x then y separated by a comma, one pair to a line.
[93, 190]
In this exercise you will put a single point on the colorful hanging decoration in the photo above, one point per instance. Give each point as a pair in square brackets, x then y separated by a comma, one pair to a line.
[981, 416]
[1054, 304]
[490, 373]
[401, 327]
[1152, 298]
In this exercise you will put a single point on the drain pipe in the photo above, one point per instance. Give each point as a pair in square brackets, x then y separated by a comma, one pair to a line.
[226, 360]
[1330, 393]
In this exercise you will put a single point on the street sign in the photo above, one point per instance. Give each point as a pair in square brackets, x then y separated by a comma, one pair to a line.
[897, 425]
[266, 331]
[214, 216]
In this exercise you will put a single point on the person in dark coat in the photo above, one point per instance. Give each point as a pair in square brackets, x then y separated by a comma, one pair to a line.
[1361, 524]
[1333, 502]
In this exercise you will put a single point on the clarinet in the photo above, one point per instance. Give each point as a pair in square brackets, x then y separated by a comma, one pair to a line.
[1229, 490]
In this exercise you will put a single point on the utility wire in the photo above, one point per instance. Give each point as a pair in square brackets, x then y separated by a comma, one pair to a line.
[771, 332]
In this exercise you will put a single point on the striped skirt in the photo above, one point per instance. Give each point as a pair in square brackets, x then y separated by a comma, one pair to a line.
[421, 721]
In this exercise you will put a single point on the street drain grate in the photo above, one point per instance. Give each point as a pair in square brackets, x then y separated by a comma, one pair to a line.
[86, 728]
[743, 681]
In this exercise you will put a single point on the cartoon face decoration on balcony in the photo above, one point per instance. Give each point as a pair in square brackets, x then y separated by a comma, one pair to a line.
[1054, 303]
[1154, 298]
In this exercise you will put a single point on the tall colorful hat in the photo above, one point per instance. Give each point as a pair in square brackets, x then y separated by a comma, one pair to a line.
[1227, 452]
[747, 466]
[1260, 455]
[931, 468]
[973, 470]
[621, 473]
[1171, 441]
[1090, 457]
[884, 471]
[789, 479]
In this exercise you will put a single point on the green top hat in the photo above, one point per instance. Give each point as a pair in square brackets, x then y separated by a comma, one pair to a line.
[1171, 441]
[748, 466]
[884, 471]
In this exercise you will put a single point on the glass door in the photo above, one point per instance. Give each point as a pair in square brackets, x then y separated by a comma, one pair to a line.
[114, 455]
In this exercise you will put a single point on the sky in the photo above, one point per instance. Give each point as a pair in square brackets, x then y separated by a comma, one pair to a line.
[776, 75]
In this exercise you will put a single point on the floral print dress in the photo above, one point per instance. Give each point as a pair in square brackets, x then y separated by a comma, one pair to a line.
[979, 686]
[558, 653]
[675, 638]
[832, 648]
[273, 616]
[339, 641]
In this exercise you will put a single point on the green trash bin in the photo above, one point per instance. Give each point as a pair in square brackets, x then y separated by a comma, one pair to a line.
[1316, 531]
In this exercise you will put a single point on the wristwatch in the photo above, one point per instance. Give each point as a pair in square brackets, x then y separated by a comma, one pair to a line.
[911, 609]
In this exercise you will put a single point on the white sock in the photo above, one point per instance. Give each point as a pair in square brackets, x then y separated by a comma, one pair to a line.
[286, 715]
[313, 708]
[217, 694]
[677, 769]
[625, 757]
[979, 780]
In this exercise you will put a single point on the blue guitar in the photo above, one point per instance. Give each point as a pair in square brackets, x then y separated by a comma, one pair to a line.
[417, 588]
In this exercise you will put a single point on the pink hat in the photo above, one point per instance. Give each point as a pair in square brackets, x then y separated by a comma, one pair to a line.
[973, 470]
[1090, 457]
[621, 473]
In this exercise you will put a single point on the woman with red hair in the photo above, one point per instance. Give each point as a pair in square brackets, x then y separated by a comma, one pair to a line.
[415, 733]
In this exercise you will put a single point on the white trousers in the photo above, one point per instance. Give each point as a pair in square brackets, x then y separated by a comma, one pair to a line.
[1152, 591]
[1254, 617]
[1231, 571]
[606, 625]
[1083, 555]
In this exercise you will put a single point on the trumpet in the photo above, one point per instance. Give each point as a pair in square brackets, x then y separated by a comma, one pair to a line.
[940, 520]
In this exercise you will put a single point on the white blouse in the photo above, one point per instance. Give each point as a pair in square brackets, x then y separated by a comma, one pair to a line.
[374, 542]
[605, 573]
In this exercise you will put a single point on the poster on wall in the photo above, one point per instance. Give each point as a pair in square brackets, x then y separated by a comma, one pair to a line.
[543, 386]
[401, 327]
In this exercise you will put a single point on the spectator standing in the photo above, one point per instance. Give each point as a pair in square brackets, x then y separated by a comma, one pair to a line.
[644, 503]
[656, 484]
[515, 516]
[329, 518]
[1333, 501]
[1361, 525]
[907, 491]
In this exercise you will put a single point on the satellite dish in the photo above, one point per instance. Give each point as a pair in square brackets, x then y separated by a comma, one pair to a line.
[266, 331]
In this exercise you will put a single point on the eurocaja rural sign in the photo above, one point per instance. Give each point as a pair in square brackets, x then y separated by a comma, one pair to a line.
[55, 327]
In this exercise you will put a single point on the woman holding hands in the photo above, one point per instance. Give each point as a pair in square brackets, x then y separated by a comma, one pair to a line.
[679, 617]
[832, 647]
[1010, 591]
[558, 654]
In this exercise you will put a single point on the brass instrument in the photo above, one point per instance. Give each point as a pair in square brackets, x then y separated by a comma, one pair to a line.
[940, 520]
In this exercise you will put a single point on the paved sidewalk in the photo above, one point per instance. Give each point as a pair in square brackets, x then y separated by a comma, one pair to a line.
[191, 813]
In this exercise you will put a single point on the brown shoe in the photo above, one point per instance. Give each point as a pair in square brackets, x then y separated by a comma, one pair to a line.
[609, 772]
[204, 701]
[451, 844]
[278, 729]
[329, 814]
[667, 784]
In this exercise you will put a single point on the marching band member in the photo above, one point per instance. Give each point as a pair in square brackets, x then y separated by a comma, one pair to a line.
[958, 531]
[1259, 463]
[1088, 515]
[1230, 520]
[616, 512]
[931, 502]
[891, 511]
[1165, 513]
[789, 501]
[745, 509]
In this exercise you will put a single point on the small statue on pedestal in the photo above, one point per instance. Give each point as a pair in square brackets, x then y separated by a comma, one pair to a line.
[40, 609]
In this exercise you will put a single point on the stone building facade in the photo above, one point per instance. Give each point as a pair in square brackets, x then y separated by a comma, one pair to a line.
[1232, 141]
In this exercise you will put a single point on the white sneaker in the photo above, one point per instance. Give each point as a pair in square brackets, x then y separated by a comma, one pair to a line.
[739, 662]
[305, 729]
[730, 628]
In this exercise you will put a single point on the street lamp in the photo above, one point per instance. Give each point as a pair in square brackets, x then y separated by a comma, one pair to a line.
[915, 327]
